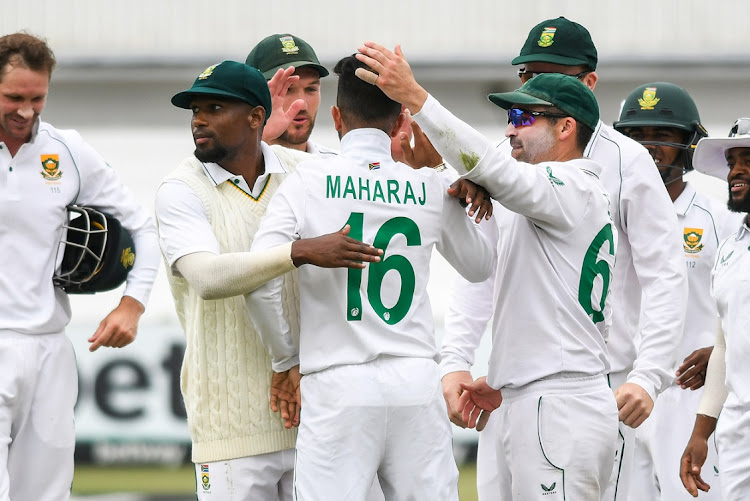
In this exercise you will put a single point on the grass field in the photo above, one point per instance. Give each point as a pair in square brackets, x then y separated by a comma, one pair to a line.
[176, 481]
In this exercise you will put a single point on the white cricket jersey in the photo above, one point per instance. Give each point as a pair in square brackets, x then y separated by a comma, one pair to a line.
[555, 255]
[730, 287]
[649, 266]
[55, 169]
[350, 316]
[705, 223]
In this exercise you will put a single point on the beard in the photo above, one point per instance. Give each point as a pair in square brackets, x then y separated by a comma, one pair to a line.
[535, 151]
[212, 155]
[296, 136]
[741, 205]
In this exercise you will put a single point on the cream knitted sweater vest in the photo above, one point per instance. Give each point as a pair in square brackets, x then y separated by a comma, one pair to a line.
[226, 371]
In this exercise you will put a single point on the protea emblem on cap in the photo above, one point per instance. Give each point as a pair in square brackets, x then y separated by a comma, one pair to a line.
[649, 99]
[207, 72]
[692, 237]
[288, 45]
[546, 38]
[127, 258]
[51, 166]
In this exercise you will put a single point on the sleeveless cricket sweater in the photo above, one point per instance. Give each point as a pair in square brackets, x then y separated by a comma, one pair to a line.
[226, 371]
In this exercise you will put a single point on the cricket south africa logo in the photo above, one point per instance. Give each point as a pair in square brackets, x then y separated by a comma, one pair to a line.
[649, 99]
[546, 38]
[51, 167]
[207, 72]
[692, 240]
[288, 45]
[205, 480]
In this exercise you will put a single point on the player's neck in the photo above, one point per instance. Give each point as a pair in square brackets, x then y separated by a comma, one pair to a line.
[285, 144]
[12, 143]
[249, 164]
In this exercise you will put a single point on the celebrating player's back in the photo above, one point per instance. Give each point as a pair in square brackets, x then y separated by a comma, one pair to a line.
[367, 345]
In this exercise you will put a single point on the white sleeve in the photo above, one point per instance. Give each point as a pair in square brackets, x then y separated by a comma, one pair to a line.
[280, 225]
[715, 389]
[463, 244]
[235, 273]
[470, 310]
[650, 222]
[533, 191]
[102, 188]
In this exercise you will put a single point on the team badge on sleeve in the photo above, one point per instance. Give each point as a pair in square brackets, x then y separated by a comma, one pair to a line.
[546, 38]
[692, 238]
[649, 99]
[51, 167]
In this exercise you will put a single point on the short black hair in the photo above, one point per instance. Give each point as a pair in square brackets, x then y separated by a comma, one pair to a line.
[362, 104]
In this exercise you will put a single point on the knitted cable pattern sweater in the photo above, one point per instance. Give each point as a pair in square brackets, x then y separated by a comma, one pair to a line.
[226, 371]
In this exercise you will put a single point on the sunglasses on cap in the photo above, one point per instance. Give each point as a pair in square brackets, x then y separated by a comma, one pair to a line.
[741, 127]
[526, 75]
[519, 117]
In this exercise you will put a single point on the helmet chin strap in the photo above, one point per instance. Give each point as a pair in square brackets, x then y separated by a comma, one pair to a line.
[670, 168]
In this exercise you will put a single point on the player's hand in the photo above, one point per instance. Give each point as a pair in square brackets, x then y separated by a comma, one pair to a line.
[334, 250]
[285, 395]
[452, 392]
[394, 75]
[477, 402]
[120, 327]
[692, 373]
[280, 119]
[690, 466]
[471, 194]
[423, 154]
[634, 404]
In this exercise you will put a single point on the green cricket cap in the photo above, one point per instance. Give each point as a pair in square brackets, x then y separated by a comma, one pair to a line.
[283, 50]
[559, 41]
[564, 92]
[228, 79]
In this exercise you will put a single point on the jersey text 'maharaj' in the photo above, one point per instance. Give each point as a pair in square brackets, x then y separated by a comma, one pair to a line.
[387, 191]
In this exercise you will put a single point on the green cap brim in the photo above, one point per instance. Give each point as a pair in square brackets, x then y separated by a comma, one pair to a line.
[297, 64]
[507, 99]
[549, 58]
[182, 99]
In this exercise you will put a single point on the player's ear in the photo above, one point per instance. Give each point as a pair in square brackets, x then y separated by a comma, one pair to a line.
[567, 128]
[336, 114]
[590, 79]
[399, 123]
[257, 117]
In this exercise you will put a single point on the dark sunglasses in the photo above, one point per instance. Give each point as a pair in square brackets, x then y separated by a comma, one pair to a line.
[525, 75]
[741, 127]
[519, 117]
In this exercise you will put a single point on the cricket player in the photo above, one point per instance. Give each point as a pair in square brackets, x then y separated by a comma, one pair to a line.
[663, 117]
[208, 211]
[43, 170]
[726, 390]
[371, 390]
[558, 419]
[649, 287]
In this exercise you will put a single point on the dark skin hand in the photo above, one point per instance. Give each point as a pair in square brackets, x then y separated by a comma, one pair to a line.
[473, 195]
[334, 250]
[285, 395]
[692, 373]
[695, 455]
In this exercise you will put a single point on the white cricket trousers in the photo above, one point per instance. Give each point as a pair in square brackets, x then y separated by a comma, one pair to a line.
[383, 418]
[659, 444]
[264, 477]
[733, 441]
[38, 391]
[554, 439]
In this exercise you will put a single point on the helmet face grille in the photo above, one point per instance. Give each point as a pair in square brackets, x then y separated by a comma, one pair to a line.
[85, 242]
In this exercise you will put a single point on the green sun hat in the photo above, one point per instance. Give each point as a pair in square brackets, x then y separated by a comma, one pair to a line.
[228, 79]
[559, 41]
[564, 92]
[283, 50]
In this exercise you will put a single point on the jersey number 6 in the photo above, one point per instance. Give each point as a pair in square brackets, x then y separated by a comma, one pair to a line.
[593, 266]
[396, 226]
